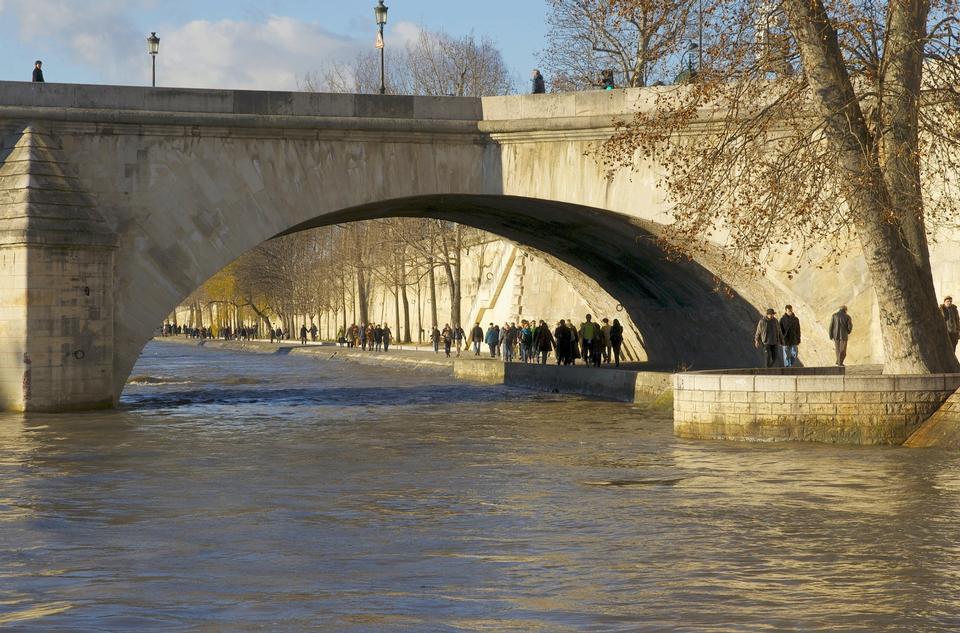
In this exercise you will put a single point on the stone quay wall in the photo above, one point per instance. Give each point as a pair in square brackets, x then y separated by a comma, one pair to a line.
[619, 385]
[806, 404]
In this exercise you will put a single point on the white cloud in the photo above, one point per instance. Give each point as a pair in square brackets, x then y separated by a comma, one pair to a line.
[236, 54]
[271, 54]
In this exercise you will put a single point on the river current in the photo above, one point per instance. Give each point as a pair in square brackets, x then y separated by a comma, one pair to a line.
[241, 492]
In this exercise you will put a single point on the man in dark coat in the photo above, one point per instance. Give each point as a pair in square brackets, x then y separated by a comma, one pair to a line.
[38, 71]
[952, 318]
[790, 333]
[476, 337]
[539, 85]
[767, 336]
[562, 336]
[840, 327]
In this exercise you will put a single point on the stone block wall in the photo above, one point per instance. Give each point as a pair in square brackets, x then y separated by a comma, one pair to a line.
[69, 350]
[806, 406]
[13, 325]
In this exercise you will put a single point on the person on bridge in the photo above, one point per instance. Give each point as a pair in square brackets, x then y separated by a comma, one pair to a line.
[303, 334]
[606, 80]
[952, 319]
[476, 337]
[841, 325]
[38, 71]
[616, 340]
[768, 337]
[539, 85]
[790, 332]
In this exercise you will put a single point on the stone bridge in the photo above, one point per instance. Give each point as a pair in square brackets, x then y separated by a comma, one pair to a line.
[117, 202]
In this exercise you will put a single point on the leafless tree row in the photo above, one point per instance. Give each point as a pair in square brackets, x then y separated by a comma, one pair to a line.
[330, 273]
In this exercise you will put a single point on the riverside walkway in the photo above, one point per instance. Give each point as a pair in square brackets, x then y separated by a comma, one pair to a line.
[623, 384]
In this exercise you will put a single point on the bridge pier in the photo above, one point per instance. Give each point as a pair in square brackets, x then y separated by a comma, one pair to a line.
[56, 282]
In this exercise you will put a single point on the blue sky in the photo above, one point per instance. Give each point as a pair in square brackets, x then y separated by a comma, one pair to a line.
[264, 44]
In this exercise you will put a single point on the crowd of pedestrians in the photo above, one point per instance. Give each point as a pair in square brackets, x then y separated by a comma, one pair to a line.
[241, 333]
[533, 341]
[369, 338]
[779, 339]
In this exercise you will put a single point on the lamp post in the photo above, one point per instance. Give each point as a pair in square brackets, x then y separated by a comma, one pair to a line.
[380, 12]
[153, 47]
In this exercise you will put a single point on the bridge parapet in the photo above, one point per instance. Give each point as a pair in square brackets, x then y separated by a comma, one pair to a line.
[80, 97]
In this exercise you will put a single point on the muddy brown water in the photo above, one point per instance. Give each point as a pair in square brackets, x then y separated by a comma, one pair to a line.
[254, 492]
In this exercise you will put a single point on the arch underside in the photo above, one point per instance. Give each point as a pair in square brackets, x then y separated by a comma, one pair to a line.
[683, 319]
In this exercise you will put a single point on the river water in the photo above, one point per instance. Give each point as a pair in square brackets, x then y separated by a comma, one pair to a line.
[237, 492]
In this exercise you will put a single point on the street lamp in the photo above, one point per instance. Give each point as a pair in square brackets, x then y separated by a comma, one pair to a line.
[380, 12]
[153, 47]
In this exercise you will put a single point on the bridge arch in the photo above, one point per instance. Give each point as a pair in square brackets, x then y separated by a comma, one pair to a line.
[682, 317]
[176, 184]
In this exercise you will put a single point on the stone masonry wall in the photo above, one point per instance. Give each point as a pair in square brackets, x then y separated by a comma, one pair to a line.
[857, 409]
[13, 324]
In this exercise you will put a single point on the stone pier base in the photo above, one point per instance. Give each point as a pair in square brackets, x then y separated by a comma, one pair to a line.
[56, 282]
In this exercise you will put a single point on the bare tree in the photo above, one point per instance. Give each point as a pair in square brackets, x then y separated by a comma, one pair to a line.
[789, 159]
[435, 64]
[637, 41]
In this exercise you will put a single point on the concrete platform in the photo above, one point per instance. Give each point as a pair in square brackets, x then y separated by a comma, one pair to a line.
[813, 404]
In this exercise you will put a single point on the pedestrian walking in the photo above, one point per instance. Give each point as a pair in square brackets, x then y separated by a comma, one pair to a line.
[790, 335]
[616, 340]
[544, 341]
[605, 340]
[538, 84]
[492, 339]
[589, 337]
[303, 334]
[767, 337]
[526, 341]
[562, 335]
[476, 337]
[386, 336]
[509, 334]
[38, 71]
[459, 339]
[841, 325]
[952, 318]
[435, 339]
[447, 336]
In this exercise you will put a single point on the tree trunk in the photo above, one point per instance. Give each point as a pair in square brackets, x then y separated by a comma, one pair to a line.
[362, 297]
[914, 333]
[396, 308]
[433, 293]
